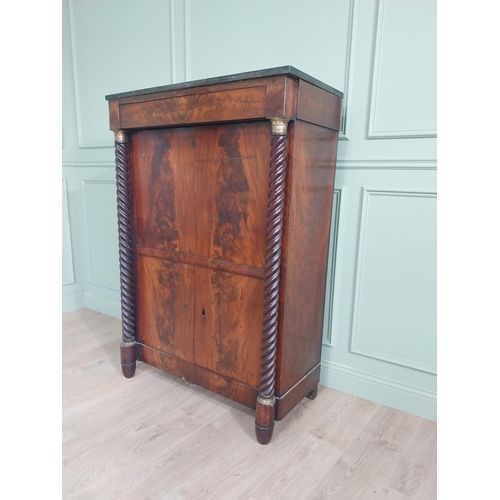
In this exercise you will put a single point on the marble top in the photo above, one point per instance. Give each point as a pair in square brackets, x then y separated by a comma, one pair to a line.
[282, 70]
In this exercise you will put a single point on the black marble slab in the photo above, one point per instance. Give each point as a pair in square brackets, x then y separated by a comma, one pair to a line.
[282, 70]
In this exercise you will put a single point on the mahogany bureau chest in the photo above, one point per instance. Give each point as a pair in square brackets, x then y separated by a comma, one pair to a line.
[225, 192]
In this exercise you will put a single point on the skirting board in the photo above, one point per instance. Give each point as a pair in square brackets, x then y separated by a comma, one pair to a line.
[72, 302]
[102, 305]
[379, 390]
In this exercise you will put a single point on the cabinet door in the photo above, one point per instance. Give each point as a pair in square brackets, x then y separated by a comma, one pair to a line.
[165, 300]
[228, 324]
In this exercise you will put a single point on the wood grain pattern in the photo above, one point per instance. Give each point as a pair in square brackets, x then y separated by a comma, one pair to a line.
[166, 304]
[411, 476]
[203, 190]
[318, 106]
[228, 104]
[195, 260]
[253, 99]
[368, 460]
[342, 419]
[290, 399]
[228, 313]
[180, 90]
[202, 316]
[232, 389]
[154, 437]
[114, 115]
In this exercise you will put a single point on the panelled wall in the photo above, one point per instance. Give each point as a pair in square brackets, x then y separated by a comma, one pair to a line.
[380, 319]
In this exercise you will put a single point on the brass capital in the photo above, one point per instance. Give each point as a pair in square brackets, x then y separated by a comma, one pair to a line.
[121, 136]
[266, 401]
[279, 125]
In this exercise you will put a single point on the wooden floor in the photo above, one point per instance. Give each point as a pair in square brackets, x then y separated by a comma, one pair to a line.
[157, 437]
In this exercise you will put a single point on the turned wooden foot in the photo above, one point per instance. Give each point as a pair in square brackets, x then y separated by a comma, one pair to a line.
[264, 420]
[313, 393]
[264, 435]
[128, 358]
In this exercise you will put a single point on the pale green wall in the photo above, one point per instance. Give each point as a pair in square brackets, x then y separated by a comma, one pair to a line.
[380, 321]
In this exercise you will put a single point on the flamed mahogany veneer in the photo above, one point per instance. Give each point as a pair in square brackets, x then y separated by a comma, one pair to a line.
[225, 190]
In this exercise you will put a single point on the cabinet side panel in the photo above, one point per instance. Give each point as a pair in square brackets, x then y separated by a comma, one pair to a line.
[312, 173]
[228, 324]
[318, 106]
[165, 305]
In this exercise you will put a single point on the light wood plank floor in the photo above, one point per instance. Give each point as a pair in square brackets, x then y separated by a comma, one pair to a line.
[156, 437]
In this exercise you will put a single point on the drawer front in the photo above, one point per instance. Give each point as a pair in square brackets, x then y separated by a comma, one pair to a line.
[256, 99]
[226, 105]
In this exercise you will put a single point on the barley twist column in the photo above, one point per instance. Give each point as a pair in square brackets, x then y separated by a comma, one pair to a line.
[127, 346]
[264, 416]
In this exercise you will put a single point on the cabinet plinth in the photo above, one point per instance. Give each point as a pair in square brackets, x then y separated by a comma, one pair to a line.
[225, 191]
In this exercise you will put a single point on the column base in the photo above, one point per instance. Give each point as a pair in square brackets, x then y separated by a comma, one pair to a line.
[128, 358]
[264, 420]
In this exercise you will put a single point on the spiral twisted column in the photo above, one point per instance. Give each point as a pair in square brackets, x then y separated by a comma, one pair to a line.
[264, 416]
[127, 346]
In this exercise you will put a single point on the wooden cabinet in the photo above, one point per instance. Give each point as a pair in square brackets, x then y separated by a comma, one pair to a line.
[225, 192]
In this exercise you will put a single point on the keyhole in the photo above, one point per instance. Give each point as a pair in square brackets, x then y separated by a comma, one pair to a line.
[192, 143]
[203, 313]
